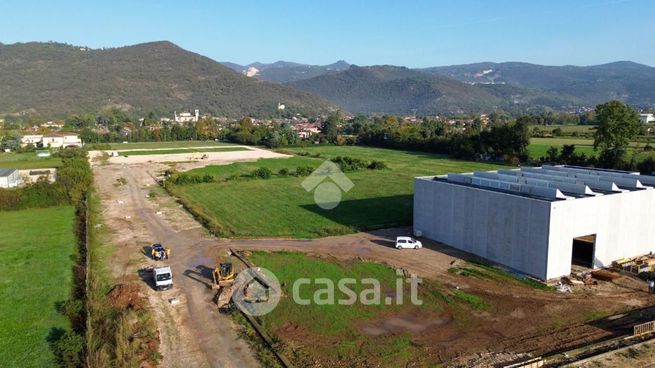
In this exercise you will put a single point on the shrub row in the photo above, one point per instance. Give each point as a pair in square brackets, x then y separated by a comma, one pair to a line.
[184, 178]
[350, 164]
[74, 178]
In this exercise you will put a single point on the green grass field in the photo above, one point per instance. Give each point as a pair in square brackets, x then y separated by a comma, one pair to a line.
[180, 150]
[28, 160]
[280, 207]
[539, 146]
[36, 248]
[175, 144]
[334, 333]
[566, 129]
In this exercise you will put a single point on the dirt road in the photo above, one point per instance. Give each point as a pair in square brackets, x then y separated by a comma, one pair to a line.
[193, 333]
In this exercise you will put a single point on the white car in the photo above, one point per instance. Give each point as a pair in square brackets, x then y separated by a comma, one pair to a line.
[407, 242]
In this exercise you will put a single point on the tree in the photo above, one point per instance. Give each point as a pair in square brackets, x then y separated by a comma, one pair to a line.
[10, 141]
[617, 125]
[330, 127]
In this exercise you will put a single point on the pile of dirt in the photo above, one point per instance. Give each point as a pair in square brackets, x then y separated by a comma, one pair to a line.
[127, 296]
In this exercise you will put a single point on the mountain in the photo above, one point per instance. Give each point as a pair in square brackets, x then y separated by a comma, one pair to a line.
[399, 90]
[52, 79]
[285, 71]
[624, 80]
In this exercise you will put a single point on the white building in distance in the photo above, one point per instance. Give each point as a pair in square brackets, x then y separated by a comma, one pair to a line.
[647, 118]
[540, 221]
[54, 140]
[186, 117]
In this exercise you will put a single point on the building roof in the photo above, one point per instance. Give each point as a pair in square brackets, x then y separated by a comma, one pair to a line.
[554, 182]
[6, 172]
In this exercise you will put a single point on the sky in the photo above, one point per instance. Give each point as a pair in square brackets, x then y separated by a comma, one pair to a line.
[412, 33]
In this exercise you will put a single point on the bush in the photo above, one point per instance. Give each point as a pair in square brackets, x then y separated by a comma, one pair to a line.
[262, 173]
[647, 166]
[69, 349]
[36, 195]
[377, 165]
[304, 170]
[184, 179]
[648, 148]
[349, 164]
[283, 171]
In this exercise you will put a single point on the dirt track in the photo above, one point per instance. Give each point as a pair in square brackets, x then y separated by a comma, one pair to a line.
[194, 334]
[192, 157]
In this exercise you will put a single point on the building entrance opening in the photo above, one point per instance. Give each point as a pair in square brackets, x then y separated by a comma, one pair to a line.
[583, 250]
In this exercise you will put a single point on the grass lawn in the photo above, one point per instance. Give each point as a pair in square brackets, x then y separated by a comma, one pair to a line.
[566, 129]
[337, 334]
[35, 248]
[27, 160]
[280, 207]
[539, 146]
[175, 144]
[180, 150]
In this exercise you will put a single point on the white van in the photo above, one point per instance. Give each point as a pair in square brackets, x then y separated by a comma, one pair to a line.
[407, 242]
[163, 278]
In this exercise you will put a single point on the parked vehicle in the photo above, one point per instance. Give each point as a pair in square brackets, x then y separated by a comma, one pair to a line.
[163, 277]
[159, 252]
[407, 242]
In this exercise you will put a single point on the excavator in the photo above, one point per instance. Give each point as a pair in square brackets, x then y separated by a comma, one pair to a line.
[223, 276]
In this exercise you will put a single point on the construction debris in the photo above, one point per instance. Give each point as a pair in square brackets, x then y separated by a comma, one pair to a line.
[605, 275]
[636, 265]
[563, 288]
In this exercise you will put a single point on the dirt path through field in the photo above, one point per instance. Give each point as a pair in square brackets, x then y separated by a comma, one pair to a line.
[193, 333]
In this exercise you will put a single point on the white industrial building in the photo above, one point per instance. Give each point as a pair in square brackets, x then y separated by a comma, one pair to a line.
[9, 178]
[540, 220]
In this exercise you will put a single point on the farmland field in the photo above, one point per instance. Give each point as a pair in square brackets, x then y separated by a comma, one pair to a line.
[181, 150]
[566, 129]
[280, 207]
[27, 160]
[36, 249]
[174, 144]
[539, 146]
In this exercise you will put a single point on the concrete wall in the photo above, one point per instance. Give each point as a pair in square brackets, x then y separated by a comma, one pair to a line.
[624, 225]
[508, 229]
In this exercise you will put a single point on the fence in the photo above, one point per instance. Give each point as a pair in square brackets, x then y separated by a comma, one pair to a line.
[644, 328]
